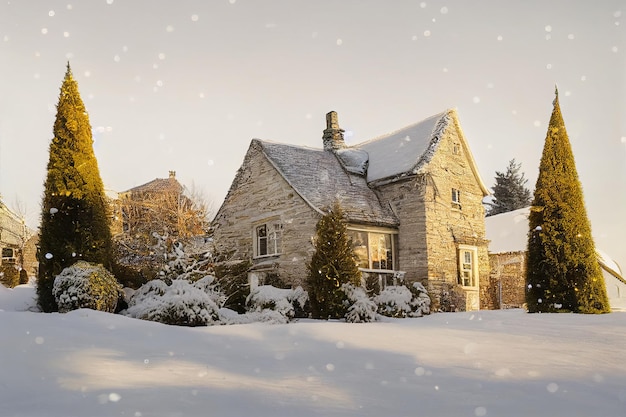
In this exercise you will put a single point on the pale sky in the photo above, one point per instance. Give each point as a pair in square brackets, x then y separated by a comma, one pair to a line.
[185, 85]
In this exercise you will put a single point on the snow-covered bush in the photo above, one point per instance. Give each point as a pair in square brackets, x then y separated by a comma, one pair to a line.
[361, 309]
[400, 301]
[181, 303]
[283, 301]
[86, 285]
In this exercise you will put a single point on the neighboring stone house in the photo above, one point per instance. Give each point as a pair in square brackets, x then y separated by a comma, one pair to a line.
[412, 199]
[507, 256]
[161, 205]
[17, 242]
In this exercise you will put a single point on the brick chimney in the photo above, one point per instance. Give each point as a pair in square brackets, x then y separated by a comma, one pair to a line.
[333, 134]
[172, 174]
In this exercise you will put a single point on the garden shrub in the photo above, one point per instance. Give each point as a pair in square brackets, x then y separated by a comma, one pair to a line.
[361, 308]
[400, 301]
[180, 303]
[285, 301]
[86, 285]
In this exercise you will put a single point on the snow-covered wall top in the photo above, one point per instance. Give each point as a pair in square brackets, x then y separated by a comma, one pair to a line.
[508, 233]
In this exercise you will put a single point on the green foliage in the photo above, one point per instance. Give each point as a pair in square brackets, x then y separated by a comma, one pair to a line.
[332, 265]
[75, 213]
[509, 192]
[563, 273]
[232, 277]
[9, 275]
[86, 285]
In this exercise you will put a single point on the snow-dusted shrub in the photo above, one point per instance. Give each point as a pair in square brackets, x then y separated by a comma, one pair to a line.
[362, 309]
[86, 285]
[400, 301]
[281, 300]
[181, 303]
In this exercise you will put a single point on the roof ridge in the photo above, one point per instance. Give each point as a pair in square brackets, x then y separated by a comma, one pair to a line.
[386, 135]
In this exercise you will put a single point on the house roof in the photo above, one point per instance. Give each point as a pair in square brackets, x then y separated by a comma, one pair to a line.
[508, 233]
[319, 178]
[159, 185]
[406, 151]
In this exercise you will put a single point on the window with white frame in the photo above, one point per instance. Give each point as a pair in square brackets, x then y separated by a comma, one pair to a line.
[374, 249]
[268, 239]
[456, 198]
[468, 266]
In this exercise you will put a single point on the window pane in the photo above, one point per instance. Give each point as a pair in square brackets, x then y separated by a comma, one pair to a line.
[359, 245]
[261, 233]
[275, 239]
[380, 250]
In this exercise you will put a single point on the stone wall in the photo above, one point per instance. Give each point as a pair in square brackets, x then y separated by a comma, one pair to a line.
[507, 279]
[259, 193]
[432, 228]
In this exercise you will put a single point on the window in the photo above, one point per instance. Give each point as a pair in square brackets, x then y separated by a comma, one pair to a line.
[456, 198]
[374, 250]
[268, 239]
[468, 268]
[456, 149]
[7, 252]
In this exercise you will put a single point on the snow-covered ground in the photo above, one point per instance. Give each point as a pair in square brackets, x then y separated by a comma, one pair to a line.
[487, 363]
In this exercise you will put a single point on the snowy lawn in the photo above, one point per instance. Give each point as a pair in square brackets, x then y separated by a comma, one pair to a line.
[488, 363]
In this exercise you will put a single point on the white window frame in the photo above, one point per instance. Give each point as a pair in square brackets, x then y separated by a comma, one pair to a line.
[468, 271]
[272, 240]
[373, 232]
[456, 198]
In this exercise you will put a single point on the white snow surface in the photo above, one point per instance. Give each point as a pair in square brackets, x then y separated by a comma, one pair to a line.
[508, 232]
[487, 363]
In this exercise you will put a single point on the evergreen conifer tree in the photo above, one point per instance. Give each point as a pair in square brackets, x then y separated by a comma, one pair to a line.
[509, 192]
[332, 265]
[563, 273]
[75, 213]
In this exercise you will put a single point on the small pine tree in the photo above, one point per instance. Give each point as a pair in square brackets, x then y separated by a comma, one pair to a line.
[75, 213]
[563, 273]
[332, 265]
[509, 192]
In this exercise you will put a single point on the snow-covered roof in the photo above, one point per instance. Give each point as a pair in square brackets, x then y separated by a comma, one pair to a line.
[320, 179]
[508, 233]
[401, 151]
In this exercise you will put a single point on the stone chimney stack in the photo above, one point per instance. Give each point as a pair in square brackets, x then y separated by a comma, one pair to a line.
[333, 134]
[172, 174]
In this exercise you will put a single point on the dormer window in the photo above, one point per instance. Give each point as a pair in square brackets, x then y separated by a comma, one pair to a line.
[456, 199]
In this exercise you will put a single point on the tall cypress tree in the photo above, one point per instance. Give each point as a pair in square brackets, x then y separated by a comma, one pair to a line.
[75, 213]
[509, 192]
[332, 265]
[563, 273]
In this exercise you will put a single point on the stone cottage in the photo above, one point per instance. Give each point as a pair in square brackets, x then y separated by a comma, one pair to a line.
[412, 200]
[507, 233]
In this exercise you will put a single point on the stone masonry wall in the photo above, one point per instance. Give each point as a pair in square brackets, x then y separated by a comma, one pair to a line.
[507, 279]
[449, 225]
[260, 193]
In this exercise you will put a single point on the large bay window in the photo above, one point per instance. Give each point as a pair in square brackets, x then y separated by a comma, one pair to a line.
[268, 239]
[374, 249]
[468, 266]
